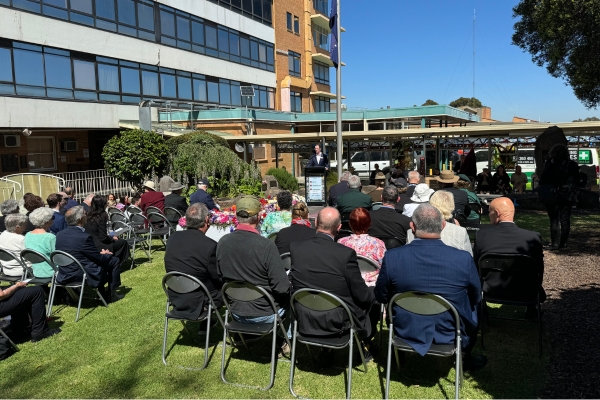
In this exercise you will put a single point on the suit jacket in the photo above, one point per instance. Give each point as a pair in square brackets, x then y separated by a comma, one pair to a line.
[388, 222]
[200, 196]
[177, 202]
[193, 253]
[431, 266]
[321, 263]
[404, 198]
[59, 223]
[336, 191]
[323, 162]
[452, 235]
[81, 246]
[353, 199]
[70, 204]
[293, 233]
[152, 199]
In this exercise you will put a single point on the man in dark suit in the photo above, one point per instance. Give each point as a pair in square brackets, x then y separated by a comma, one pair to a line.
[100, 266]
[202, 196]
[339, 189]
[318, 159]
[354, 198]
[504, 236]
[70, 201]
[176, 200]
[428, 265]
[414, 178]
[55, 202]
[386, 221]
[193, 253]
[336, 271]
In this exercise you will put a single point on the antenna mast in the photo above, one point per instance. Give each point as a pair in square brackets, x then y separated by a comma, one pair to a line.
[473, 53]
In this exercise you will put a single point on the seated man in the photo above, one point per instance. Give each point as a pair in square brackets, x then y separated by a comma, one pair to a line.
[201, 195]
[321, 263]
[176, 200]
[414, 178]
[245, 255]
[339, 188]
[55, 202]
[151, 198]
[505, 237]
[101, 267]
[428, 265]
[190, 251]
[386, 221]
[354, 198]
[461, 199]
[519, 180]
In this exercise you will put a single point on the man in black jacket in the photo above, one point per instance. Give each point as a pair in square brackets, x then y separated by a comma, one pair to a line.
[193, 253]
[339, 189]
[386, 221]
[176, 200]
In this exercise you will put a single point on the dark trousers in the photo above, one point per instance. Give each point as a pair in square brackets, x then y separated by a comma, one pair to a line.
[119, 248]
[112, 274]
[560, 222]
[24, 304]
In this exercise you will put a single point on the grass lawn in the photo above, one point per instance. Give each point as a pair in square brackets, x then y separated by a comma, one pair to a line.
[115, 352]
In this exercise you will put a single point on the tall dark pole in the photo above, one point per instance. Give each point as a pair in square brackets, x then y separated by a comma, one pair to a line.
[338, 104]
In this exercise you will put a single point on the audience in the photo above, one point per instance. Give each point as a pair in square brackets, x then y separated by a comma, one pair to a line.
[201, 195]
[151, 198]
[9, 206]
[277, 220]
[465, 184]
[414, 178]
[100, 266]
[123, 203]
[70, 199]
[386, 222]
[176, 200]
[354, 198]
[41, 240]
[111, 200]
[461, 199]
[339, 188]
[428, 265]
[398, 179]
[379, 181]
[519, 180]
[505, 237]
[363, 244]
[244, 255]
[87, 202]
[55, 203]
[191, 252]
[12, 239]
[97, 222]
[501, 181]
[421, 195]
[31, 202]
[484, 181]
[453, 235]
[300, 229]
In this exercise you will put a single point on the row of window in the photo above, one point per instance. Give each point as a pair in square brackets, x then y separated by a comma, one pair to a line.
[321, 72]
[36, 71]
[321, 6]
[172, 28]
[258, 10]
[322, 104]
[294, 64]
[320, 37]
[293, 24]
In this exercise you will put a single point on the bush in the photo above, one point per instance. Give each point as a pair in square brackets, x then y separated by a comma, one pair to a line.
[286, 180]
[200, 137]
[332, 179]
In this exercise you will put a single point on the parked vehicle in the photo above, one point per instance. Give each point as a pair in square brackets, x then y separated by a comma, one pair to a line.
[364, 162]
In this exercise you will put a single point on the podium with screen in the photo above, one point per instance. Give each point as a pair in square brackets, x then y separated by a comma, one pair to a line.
[315, 185]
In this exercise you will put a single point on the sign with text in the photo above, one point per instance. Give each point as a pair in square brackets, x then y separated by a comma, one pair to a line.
[315, 183]
[583, 157]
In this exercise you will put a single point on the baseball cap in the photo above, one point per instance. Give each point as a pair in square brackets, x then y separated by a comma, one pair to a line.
[247, 206]
[203, 182]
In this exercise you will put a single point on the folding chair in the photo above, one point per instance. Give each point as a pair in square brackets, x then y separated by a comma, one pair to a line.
[134, 210]
[391, 242]
[153, 210]
[511, 279]
[287, 261]
[114, 210]
[247, 292]
[424, 304]
[161, 227]
[7, 256]
[376, 205]
[2, 333]
[273, 236]
[367, 265]
[63, 259]
[183, 283]
[114, 217]
[143, 230]
[319, 300]
[472, 232]
[34, 257]
[133, 236]
[173, 215]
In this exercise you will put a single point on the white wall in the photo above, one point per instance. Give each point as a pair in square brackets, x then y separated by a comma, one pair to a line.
[22, 26]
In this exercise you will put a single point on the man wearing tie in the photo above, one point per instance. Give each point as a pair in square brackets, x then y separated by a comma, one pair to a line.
[318, 159]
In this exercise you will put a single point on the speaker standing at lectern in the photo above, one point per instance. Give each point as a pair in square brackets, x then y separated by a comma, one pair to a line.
[318, 159]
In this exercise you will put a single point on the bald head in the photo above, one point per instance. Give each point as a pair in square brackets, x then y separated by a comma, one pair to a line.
[502, 209]
[329, 221]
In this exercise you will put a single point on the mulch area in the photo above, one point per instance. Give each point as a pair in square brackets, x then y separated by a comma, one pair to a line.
[572, 316]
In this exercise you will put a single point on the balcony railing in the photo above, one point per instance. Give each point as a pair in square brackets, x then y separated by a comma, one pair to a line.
[93, 181]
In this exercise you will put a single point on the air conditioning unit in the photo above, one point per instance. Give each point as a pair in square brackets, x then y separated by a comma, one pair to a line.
[11, 141]
[68, 145]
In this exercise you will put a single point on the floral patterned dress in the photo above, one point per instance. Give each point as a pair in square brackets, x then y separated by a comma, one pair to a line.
[366, 246]
[274, 222]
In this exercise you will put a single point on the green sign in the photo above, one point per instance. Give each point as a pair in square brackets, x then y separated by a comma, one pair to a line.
[584, 157]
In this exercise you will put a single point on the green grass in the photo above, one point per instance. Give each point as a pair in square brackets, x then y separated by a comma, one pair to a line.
[115, 352]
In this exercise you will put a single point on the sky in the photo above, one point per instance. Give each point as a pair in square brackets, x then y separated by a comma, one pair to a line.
[400, 53]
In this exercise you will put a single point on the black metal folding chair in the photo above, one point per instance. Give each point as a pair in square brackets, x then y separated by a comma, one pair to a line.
[173, 216]
[161, 227]
[390, 242]
[134, 210]
[8, 256]
[114, 217]
[114, 210]
[511, 279]
[247, 292]
[367, 265]
[144, 231]
[34, 257]
[319, 300]
[63, 259]
[424, 304]
[153, 210]
[287, 261]
[3, 334]
[183, 283]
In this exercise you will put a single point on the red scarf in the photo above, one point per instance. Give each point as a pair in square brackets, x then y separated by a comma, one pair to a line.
[301, 222]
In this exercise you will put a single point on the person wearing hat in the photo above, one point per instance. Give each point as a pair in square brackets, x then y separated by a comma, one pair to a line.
[461, 199]
[373, 176]
[175, 199]
[201, 195]
[421, 195]
[465, 184]
[244, 255]
[379, 180]
[152, 198]
[414, 178]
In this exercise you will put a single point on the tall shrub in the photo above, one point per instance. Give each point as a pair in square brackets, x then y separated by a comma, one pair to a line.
[286, 180]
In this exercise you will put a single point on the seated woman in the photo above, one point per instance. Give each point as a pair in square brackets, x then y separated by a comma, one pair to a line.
[12, 239]
[41, 240]
[501, 181]
[453, 234]
[277, 220]
[363, 244]
[111, 200]
[484, 181]
[30, 203]
[123, 203]
[300, 229]
[97, 224]
[421, 195]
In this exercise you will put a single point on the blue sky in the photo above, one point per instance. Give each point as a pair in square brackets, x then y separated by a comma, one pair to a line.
[400, 53]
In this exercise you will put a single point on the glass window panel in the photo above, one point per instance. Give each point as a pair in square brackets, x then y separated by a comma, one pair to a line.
[105, 9]
[7, 88]
[5, 65]
[130, 99]
[57, 3]
[236, 3]
[289, 21]
[86, 95]
[150, 83]
[84, 6]
[247, 6]
[198, 32]
[82, 19]
[296, 25]
[211, 37]
[113, 98]
[126, 10]
[27, 5]
[254, 50]
[55, 12]
[225, 92]
[29, 67]
[58, 71]
[223, 41]
[128, 31]
[270, 56]
[267, 14]
[213, 92]
[85, 74]
[183, 28]
[109, 26]
[59, 93]
[234, 43]
[108, 78]
[263, 99]
[184, 86]
[262, 53]
[199, 90]
[236, 98]
[245, 47]
[167, 85]
[130, 80]
[257, 8]
[31, 91]
[145, 17]
[167, 23]
[146, 35]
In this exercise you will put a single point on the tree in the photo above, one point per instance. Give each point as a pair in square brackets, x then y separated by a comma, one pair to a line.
[564, 37]
[134, 155]
[430, 102]
[472, 102]
[587, 119]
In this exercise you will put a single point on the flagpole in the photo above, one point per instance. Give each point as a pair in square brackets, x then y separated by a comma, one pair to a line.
[338, 104]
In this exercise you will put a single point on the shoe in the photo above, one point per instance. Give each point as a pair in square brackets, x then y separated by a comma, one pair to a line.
[46, 334]
[114, 296]
[368, 355]
[284, 351]
[473, 362]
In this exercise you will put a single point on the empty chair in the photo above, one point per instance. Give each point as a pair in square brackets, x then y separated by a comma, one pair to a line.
[142, 228]
[113, 210]
[118, 217]
[153, 210]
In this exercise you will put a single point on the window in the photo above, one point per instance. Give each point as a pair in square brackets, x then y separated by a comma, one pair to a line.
[85, 75]
[289, 21]
[108, 78]
[58, 71]
[213, 92]
[294, 63]
[184, 88]
[130, 80]
[167, 84]
[321, 6]
[258, 10]
[260, 152]
[322, 104]
[321, 72]
[42, 153]
[5, 65]
[296, 25]
[199, 89]
[150, 83]
[29, 68]
[296, 102]
[320, 37]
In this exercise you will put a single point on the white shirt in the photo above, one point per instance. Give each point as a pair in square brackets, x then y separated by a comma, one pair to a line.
[318, 158]
[14, 243]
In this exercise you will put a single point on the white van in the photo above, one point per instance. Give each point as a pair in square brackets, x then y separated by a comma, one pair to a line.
[364, 162]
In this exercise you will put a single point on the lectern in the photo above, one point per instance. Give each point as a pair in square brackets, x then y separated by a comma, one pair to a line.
[315, 185]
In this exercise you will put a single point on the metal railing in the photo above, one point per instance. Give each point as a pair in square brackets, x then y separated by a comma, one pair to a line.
[93, 181]
[9, 189]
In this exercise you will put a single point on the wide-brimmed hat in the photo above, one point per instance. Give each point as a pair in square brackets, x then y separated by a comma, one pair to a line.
[422, 193]
[380, 176]
[446, 176]
[175, 186]
[149, 185]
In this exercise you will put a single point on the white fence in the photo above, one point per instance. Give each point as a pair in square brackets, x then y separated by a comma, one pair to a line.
[93, 181]
[9, 189]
